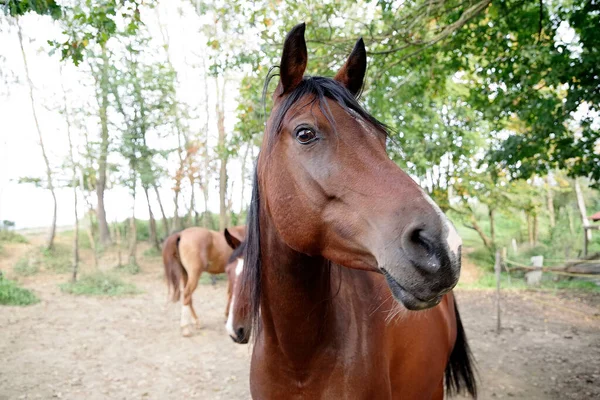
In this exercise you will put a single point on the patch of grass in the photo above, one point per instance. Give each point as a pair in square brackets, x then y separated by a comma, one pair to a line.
[83, 240]
[482, 258]
[100, 284]
[152, 252]
[548, 283]
[129, 268]
[13, 295]
[12, 237]
[26, 267]
[58, 259]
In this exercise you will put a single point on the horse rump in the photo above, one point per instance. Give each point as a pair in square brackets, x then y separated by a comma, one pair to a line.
[460, 371]
[174, 270]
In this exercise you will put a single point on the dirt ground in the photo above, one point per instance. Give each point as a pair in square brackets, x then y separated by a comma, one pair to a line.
[130, 347]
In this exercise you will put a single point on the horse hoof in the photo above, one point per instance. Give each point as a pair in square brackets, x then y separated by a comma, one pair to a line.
[186, 331]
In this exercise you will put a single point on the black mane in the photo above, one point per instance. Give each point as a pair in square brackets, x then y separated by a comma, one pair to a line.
[319, 89]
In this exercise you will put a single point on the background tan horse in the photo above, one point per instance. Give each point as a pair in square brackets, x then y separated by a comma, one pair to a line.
[186, 255]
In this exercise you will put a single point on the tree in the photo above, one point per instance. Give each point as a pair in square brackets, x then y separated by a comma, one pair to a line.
[49, 184]
[74, 182]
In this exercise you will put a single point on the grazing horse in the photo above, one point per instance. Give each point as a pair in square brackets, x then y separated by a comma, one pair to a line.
[237, 313]
[186, 255]
[341, 247]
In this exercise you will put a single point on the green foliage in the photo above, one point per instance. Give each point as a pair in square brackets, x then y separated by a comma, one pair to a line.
[13, 295]
[96, 22]
[21, 7]
[58, 259]
[100, 284]
[25, 267]
[152, 252]
[12, 237]
[131, 269]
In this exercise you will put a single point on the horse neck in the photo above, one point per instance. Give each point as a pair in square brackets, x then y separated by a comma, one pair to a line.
[296, 294]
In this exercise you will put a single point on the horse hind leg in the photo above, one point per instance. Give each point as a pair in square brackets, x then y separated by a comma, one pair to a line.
[189, 318]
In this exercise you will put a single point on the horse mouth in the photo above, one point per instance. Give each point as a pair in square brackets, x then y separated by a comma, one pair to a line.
[243, 340]
[409, 300]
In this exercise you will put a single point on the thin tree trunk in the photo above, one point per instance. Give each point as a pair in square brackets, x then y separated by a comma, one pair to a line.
[570, 218]
[177, 188]
[529, 229]
[207, 174]
[535, 229]
[192, 210]
[550, 202]
[486, 240]
[52, 232]
[244, 177]
[117, 235]
[492, 226]
[582, 209]
[73, 183]
[153, 235]
[222, 158]
[165, 222]
[133, 229]
[102, 160]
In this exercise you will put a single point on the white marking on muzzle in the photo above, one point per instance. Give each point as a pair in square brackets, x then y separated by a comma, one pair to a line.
[229, 324]
[453, 239]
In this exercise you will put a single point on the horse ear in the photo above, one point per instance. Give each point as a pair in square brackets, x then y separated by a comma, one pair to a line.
[352, 74]
[293, 60]
[232, 241]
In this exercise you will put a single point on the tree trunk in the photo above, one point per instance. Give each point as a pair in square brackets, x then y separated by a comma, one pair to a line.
[529, 229]
[550, 202]
[52, 232]
[492, 225]
[102, 160]
[132, 230]
[244, 177]
[535, 229]
[165, 222]
[73, 183]
[582, 209]
[153, 235]
[192, 209]
[207, 173]
[570, 218]
[222, 158]
[486, 240]
[117, 233]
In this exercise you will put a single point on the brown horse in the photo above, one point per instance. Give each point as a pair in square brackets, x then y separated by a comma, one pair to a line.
[238, 312]
[186, 255]
[341, 244]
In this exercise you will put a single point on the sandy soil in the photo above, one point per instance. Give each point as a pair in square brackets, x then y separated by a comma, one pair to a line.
[130, 348]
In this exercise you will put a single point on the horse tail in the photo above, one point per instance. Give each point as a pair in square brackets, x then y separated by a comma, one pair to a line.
[174, 270]
[460, 371]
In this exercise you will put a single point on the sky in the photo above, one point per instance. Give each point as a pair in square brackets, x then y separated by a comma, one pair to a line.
[20, 154]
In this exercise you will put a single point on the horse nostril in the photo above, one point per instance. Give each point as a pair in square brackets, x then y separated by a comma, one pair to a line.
[419, 238]
[240, 333]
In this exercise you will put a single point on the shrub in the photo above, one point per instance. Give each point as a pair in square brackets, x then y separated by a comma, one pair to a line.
[99, 284]
[13, 295]
[26, 267]
[12, 237]
[152, 252]
[58, 259]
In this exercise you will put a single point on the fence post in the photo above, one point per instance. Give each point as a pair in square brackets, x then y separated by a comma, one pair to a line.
[497, 267]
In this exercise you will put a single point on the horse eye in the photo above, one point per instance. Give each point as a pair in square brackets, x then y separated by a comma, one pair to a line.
[305, 136]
